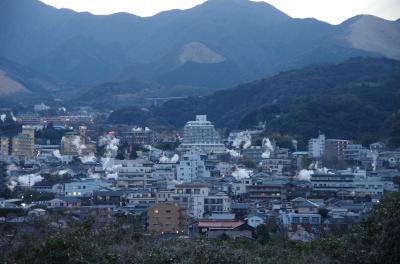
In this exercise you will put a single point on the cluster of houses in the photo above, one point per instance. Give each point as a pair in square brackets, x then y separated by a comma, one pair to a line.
[204, 188]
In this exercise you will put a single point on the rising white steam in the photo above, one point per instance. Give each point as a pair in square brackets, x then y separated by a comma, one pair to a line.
[268, 148]
[242, 173]
[242, 140]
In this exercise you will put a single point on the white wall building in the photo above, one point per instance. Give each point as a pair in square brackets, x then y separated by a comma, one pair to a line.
[191, 167]
[84, 188]
[316, 147]
[201, 134]
[255, 220]
[355, 183]
[134, 173]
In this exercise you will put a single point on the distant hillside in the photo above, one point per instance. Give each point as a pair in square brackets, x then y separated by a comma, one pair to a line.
[17, 81]
[215, 45]
[114, 95]
[353, 99]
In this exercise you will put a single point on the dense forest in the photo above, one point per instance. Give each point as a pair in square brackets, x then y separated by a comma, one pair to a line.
[358, 99]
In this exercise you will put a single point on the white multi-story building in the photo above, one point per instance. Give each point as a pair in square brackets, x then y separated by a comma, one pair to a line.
[191, 167]
[164, 172]
[201, 134]
[134, 173]
[217, 203]
[316, 147]
[355, 183]
[197, 199]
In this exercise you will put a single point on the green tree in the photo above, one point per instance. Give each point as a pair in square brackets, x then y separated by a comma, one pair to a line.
[248, 163]
[262, 234]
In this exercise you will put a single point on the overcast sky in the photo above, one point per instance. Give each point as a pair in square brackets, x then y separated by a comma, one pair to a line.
[332, 11]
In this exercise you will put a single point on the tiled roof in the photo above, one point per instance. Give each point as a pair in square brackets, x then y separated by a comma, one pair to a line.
[220, 224]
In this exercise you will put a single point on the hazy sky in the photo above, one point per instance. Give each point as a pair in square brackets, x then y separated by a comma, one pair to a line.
[332, 11]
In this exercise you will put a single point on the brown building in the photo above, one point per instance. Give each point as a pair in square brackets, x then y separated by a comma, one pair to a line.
[167, 217]
[23, 145]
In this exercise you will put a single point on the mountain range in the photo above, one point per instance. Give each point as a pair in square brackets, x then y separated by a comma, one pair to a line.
[215, 45]
[357, 99]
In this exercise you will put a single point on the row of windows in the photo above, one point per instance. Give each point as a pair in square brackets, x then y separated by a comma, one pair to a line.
[305, 220]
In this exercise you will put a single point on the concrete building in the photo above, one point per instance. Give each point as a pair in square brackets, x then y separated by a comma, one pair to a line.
[134, 173]
[355, 152]
[217, 203]
[5, 146]
[165, 195]
[191, 167]
[291, 221]
[71, 144]
[139, 136]
[167, 218]
[347, 183]
[239, 187]
[164, 172]
[335, 149]
[191, 197]
[277, 166]
[316, 147]
[253, 153]
[266, 191]
[23, 145]
[141, 197]
[201, 134]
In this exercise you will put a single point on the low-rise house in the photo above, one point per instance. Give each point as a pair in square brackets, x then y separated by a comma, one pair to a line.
[241, 209]
[84, 187]
[255, 219]
[239, 187]
[301, 235]
[215, 228]
[64, 202]
[37, 212]
[302, 205]
[292, 221]
[109, 197]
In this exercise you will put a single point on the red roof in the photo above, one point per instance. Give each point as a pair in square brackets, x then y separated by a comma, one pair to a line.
[220, 224]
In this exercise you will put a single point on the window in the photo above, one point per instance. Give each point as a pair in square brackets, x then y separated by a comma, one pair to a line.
[168, 211]
[295, 219]
[315, 220]
[306, 220]
[196, 191]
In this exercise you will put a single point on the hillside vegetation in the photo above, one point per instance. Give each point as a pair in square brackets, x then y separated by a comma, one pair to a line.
[359, 99]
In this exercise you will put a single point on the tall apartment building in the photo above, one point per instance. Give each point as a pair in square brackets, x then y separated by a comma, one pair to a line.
[201, 134]
[23, 145]
[316, 147]
[335, 149]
